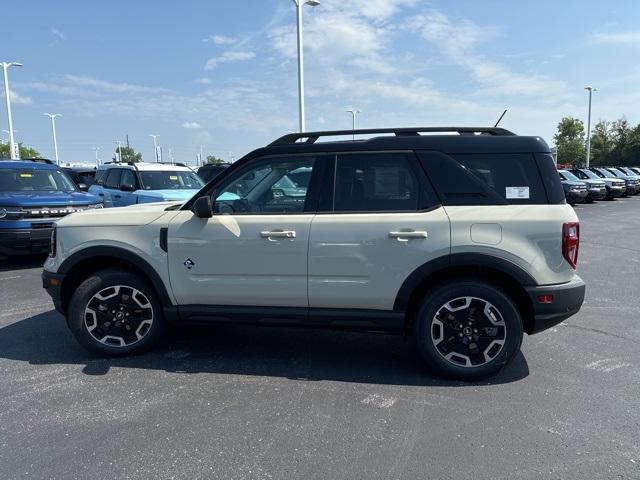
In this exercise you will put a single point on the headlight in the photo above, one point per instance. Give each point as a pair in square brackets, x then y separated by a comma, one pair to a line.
[95, 205]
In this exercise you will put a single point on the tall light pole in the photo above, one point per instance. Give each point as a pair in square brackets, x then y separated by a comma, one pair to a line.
[201, 153]
[155, 145]
[53, 116]
[353, 113]
[119, 142]
[96, 149]
[591, 90]
[15, 154]
[299, 4]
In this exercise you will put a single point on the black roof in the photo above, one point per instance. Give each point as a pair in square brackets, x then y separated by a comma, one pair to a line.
[452, 140]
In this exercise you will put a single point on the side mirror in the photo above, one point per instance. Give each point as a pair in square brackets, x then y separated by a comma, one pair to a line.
[202, 207]
[127, 187]
[83, 187]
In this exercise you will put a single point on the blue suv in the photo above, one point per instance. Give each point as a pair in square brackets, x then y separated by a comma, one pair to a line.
[33, 195]
[120, 184]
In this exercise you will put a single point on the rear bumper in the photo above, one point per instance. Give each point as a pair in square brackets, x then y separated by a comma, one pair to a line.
[567, 300]
[52, 283]
[25, 241]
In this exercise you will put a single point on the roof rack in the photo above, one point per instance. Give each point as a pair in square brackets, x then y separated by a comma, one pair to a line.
[311, 137]
[177, 164]
[38, 160]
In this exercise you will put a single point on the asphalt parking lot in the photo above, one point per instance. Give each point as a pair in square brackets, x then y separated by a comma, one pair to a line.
[237, 402]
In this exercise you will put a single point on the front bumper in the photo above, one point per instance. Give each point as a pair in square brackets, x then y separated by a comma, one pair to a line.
[52, 283]
[598, 193]
[618, 191]
[25, 241]
[567, 300]
[575, 196]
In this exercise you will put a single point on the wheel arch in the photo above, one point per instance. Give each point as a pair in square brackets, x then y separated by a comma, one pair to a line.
[497, 271]
[83, 263]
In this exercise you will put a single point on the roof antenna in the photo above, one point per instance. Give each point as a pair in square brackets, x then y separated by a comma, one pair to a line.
[500, 119]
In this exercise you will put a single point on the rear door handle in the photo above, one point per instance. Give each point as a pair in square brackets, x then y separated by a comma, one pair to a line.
[117, 196]
[405, 236]
[279, 234]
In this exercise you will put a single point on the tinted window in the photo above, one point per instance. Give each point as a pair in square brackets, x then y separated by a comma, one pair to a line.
[128, 178]
[170, 180]
[112, 180]
[551, 181]
[100, 176]
[513, 176]
[375, 183]
[30, 180]
[264, 187]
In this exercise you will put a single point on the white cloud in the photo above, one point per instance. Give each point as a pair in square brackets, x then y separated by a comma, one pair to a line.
[617, 38]
[57, 34]
[19, 99]
[202, 81]
[90, 82]
[222, 39]
[230, 56]
[191, 125]
[457, 40]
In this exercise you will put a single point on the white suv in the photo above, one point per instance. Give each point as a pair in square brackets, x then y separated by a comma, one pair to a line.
[462, 241]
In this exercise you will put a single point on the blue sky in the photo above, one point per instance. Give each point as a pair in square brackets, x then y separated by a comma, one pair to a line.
[223, 73]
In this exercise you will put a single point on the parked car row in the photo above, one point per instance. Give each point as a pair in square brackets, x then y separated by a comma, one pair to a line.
[584, 185]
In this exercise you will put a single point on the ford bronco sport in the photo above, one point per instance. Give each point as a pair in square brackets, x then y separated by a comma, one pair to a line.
[458, 237]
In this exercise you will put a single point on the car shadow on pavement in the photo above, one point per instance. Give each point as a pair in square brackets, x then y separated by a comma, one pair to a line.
[21, 262]
[294, 353]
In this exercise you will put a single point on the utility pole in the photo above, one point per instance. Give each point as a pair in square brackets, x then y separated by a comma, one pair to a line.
[15, 152]
[53, 116]
[591, 90]
[201, 149]
[119, 142]
[127, 141]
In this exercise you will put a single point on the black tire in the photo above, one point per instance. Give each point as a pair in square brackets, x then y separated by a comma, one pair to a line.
[125, 285]
[426, 326]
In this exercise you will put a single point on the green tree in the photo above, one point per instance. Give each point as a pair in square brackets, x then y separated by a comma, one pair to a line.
[25, 152]
[213, 160]
[601, 143]
[128, 155]
[633, 147]
[621, 133]
[569, 140]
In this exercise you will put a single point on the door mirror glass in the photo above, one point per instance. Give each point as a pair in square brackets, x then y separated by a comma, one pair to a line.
[202, 207]
[127, 187]
[83, 187]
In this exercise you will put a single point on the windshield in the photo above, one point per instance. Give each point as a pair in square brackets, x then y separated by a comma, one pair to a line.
[585, 174]
[168, 180]
[604, 174]
[33, 180]
[568, 176]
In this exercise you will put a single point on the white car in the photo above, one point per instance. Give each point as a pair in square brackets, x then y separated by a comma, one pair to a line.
[462, 241]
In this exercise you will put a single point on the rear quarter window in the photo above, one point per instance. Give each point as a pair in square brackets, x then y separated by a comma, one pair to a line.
[513, 176]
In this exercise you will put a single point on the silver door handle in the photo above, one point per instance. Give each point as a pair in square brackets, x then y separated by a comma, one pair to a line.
[405, 236]
[279, 234]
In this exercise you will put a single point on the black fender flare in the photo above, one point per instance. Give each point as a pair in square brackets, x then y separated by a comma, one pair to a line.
[121, 254]
[457, 260]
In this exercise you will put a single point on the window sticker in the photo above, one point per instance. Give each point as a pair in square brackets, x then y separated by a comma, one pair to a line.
[173, 177]
[26, 175]
[518, 193]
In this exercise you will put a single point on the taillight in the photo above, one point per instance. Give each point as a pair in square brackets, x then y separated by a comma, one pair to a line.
[571, 242]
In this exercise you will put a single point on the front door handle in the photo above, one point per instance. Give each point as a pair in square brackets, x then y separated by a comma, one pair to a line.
[405, 236]
[279, 234]
[117, 196]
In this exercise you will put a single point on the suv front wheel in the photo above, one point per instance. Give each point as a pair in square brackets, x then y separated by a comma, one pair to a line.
[115, 312]
[468, 330]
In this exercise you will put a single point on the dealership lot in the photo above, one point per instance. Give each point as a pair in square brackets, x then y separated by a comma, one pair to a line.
[255, 403]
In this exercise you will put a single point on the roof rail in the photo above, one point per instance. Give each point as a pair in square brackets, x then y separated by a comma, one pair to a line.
[177, 164]
[38, 160]
[311, 137]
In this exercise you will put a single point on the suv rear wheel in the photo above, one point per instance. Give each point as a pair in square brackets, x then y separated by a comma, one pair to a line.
[468, 330]
[115, 312]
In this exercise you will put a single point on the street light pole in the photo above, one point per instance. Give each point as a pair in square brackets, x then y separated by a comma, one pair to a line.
[95, 149]
[299, 4]
[53, 116]
[5, 68]
[119, 142]
[591, 90]
[353, 113]
[155, 145]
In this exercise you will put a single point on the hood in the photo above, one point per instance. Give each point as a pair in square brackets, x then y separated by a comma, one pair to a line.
[574, 183]
[167, 195]
[133, 215]
[47, 198]
[594, 182]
